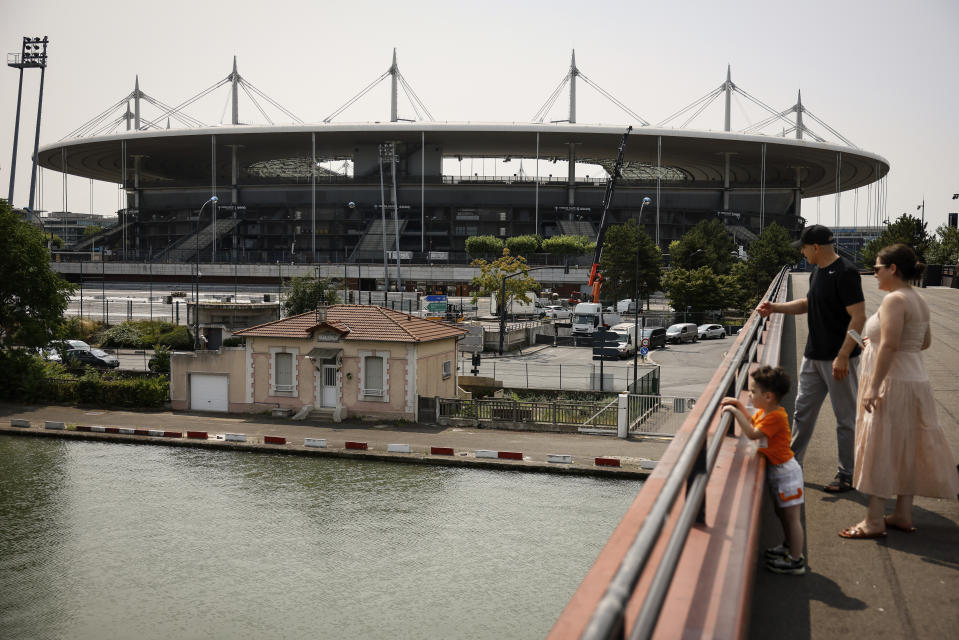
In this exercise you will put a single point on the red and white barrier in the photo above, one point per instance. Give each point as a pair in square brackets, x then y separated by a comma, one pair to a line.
[17, 422]
[319, 443]
[560, 458]
[97, 428]
[197, 435]
[607, 462]
[59, 426]
[398, 448]
[274, 440]
[357, 445]
[486, 453]
[235, 437]
[126, 431]
[441, 451]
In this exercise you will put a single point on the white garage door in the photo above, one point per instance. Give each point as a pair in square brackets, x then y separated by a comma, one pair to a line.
[209, 392]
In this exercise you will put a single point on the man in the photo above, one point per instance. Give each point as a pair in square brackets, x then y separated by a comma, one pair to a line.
[834, 305]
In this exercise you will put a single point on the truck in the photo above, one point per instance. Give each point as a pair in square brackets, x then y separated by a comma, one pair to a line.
[516, 307]
[587, 316]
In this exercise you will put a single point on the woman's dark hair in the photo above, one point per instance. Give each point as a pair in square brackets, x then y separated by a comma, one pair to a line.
[772, 379]
[907, 265]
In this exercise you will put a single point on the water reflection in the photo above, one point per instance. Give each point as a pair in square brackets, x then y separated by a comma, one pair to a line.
[114, 541]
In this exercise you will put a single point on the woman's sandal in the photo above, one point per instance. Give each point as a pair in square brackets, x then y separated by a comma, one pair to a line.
[857, 533]
[894, 525]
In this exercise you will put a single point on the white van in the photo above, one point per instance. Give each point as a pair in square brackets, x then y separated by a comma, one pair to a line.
[682, 332]
[589, 315]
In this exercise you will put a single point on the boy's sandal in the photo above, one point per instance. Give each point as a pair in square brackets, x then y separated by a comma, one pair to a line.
[857, 533]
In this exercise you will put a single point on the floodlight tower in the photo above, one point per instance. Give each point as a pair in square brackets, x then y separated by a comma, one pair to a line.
[33, 55]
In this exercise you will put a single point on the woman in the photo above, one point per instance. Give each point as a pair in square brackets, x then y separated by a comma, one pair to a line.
[900, 448]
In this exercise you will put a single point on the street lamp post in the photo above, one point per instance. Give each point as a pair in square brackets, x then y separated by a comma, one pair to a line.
[636, 335]
[196, 281]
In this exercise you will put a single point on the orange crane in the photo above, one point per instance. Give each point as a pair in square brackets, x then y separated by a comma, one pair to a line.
[595, 278]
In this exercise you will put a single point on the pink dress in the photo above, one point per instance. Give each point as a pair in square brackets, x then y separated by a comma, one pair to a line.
[900, 447]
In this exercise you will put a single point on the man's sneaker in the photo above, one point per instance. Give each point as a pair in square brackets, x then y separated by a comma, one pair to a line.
[839, 485]
[778, 551]
[787, 565]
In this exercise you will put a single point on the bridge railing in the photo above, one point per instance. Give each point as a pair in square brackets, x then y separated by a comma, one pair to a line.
[608, 603]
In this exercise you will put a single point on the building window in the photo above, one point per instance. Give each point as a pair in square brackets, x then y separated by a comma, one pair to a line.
[373, 376]
[447, 368]
[284, 371]
[283, 378]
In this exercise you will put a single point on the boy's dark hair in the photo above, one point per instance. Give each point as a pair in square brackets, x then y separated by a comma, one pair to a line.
[772, 379]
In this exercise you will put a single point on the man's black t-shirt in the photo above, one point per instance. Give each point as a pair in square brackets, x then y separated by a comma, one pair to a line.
[831, 290]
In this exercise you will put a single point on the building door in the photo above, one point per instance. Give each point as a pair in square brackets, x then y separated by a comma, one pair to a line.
[329, 389]
[209, 392]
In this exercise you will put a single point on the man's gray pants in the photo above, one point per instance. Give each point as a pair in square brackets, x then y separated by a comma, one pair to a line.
[815, 381]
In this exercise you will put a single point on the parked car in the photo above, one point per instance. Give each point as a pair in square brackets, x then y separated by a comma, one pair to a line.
[682, 332]
[77, 344]
[656, 337]
[94, 357]
[707, 331]
[558, 312]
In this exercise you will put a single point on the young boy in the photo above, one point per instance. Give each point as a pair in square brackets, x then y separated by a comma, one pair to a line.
[770, 425]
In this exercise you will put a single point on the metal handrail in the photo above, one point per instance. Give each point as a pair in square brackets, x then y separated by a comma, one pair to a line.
[692, 468]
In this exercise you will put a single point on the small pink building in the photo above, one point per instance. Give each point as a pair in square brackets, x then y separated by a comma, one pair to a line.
[343, 360]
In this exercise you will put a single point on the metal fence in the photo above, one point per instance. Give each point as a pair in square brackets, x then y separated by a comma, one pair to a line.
[657, 415]
[555, 413]
[565, 377]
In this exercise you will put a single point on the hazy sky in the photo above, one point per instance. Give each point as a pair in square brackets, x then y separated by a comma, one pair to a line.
[880, 72]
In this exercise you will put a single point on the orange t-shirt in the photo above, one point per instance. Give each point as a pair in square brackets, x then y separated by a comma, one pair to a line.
[775, 426]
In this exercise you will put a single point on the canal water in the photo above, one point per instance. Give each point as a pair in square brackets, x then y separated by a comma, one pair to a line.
[105, 540]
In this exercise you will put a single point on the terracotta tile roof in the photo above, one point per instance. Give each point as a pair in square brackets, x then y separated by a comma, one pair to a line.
[358, 322]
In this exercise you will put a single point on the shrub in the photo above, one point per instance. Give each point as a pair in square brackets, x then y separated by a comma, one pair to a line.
[177, 338]
[125, 335]
[77, 328]
[160, 361]
[234, 342]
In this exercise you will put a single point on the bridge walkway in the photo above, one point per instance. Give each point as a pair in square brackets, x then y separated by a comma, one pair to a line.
[901, 586]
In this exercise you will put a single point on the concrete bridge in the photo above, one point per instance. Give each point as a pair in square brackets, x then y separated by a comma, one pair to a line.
[901, 586]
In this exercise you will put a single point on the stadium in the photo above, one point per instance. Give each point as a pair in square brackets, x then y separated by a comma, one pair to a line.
[358, 193]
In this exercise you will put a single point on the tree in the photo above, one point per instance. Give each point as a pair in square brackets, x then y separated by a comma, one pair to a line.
[477, 246]
[705, 245]
[618, 264]
[766, 256]
[490, 279]
[944, 248]
[907, 230]
[568, 245]
[305, 293]
[701, 289]
[523, 245]
[32, 296]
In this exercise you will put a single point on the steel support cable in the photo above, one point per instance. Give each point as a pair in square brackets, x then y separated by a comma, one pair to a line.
[226, 103]
[607, 619]
[652, 606]
[712, 95]
[419, 116]
[541, 113]
[415, 97]
[92, 122]
[613, 99]
[768, 121]
[109, 127]
[697, 112]
[182, 117]
[255, 103]
[270, 100]
[362, 93]
[189, 101]
[830, 129]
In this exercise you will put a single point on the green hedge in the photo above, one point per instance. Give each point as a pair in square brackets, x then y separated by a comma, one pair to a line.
[24, 377]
